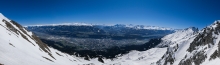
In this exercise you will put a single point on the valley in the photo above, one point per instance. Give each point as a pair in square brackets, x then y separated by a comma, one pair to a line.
[109, 32]
[180, 47]
[92, 41]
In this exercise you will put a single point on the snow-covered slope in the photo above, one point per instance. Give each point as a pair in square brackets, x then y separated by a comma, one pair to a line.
[186, 47]
[177, 44]
[201, 48]
[20, 47]
[148, 57]
[178, 37]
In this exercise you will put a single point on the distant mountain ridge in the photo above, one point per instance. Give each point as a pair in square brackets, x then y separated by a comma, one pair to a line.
[118, 34]
[101, 40]
[189, 46]
[116, 25]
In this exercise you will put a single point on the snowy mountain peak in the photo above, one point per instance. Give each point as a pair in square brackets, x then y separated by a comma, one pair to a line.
[201, 48]
[217, 21]
[192, 28]
[62, 24]
[216, 24]
[176, 37]
[3, 17]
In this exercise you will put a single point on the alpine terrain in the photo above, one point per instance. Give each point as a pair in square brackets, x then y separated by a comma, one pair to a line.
[189, 46]
[94, 40]
[20, 47]
[198, 48]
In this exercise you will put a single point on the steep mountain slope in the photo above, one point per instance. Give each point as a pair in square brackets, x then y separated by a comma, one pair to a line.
[177, 42]
[178, 36]
[20, 47]
[201, 48]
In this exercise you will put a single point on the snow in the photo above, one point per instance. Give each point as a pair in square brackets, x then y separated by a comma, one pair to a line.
[67, 24]
[15, 50]
[213, 48]
[148, 57]
[3, 17]
[182, 38]
[177, 37]
[121, 25]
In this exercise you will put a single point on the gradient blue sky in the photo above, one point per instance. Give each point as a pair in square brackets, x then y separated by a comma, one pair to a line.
[164, 13]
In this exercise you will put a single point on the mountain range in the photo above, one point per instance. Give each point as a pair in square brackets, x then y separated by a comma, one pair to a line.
[91, 40]
[189, 46]
[116, 25]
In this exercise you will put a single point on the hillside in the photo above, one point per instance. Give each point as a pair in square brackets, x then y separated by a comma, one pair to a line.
[200, 48]
[20, 47]
[190, 46]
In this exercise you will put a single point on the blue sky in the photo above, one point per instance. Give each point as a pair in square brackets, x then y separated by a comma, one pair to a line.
[164, 13]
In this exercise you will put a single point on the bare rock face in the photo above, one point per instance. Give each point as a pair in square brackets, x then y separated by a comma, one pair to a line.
[201, 48]
[174, 43]
[207, 39]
